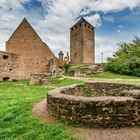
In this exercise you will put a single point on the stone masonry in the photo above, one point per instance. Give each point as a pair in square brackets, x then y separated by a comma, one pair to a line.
[27, 54]
[110, 109]
[82, 43]
[11, 65]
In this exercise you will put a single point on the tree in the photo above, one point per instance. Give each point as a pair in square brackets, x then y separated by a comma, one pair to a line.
[127, 59]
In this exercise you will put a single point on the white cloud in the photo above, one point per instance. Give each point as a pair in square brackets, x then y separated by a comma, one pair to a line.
[109, 18]
[94, 19]
[105, 46]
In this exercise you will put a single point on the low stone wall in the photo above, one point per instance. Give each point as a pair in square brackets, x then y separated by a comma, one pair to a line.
[39, 79]
[101, 111]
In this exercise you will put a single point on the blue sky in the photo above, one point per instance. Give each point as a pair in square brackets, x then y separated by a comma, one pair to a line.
[115, 21]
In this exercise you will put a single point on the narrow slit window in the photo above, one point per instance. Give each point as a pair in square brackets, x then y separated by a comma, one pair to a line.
[75, 55]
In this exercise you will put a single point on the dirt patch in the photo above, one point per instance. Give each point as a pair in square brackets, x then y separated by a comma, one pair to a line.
[39, 110]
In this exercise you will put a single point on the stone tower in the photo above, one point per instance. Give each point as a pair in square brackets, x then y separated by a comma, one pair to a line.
[61, 59]
[82, 43]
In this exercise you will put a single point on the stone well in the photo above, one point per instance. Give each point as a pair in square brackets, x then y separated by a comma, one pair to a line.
[113, 105]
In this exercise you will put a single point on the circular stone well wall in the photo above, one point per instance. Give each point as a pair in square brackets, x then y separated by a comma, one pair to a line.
[115, 104]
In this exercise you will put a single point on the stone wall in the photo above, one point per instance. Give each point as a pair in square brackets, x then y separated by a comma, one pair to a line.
[82, 43]
[101, 111]
[39, 79]
[11, 66]
[36, 54]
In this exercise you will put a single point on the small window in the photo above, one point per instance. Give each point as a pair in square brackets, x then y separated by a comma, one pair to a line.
[6, 78]
[5, 56]
[10, 69]
[79, 25]
[85, 25]
[76, 27]
[89, 27]
[75, 55]
[92, 28]
[72, 29]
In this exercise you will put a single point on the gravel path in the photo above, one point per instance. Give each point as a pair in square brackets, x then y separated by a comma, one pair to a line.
[40, 111]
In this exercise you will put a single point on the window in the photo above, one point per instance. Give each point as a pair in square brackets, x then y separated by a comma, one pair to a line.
[85, 25]
[89, 27]
[5, 56]
[76, 27]
[6, 78]
[75, 55]
[80, 25]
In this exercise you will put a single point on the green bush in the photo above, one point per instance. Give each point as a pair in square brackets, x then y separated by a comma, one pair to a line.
[127, 59]
[66, 67]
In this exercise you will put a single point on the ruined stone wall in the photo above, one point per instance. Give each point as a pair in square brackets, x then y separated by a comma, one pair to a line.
[36, 54]
[11, 66]
[101, 111]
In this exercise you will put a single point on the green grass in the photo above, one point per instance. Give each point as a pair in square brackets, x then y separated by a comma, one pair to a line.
[59, 81]
[81, 68]
[16, 120]
[110, 75]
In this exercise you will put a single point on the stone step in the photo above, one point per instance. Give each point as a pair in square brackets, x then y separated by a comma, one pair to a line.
[134, 93]
[137, 86]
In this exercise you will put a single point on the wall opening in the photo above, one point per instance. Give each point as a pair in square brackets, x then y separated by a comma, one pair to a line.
[5, 56]
[75, 55]
[6, 78]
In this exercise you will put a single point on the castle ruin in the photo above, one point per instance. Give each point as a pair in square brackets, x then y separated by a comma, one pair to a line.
[27, 54]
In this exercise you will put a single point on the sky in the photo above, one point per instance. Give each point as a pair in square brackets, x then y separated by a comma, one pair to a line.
[115, 21]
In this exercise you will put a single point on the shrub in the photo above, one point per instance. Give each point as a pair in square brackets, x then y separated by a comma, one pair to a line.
[127, 59]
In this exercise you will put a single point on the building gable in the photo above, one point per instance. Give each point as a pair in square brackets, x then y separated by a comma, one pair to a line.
[24, 32]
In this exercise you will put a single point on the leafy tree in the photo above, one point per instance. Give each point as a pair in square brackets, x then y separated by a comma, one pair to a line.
[127, 59]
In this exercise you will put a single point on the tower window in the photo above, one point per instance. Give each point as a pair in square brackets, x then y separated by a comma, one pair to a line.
[89, 27]
[80, 25]
[72, 29]
[76, 27]
[85, 25]
[75, 55]
[92, 28]
[5, 56]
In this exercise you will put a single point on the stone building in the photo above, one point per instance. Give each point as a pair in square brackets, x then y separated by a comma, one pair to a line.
[25, 54]
[82, 43]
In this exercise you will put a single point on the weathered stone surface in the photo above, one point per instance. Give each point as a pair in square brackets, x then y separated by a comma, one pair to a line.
[104, 111]
[11, 65]
[27, 53]
[39, 79]
[82, 40]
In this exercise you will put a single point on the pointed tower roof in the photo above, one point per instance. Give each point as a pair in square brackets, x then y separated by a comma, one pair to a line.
[61, 53]
[82, 20]
[23, 29]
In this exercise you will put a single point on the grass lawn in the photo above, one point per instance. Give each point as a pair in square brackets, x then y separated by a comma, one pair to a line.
[110, 75]
[58, 81]
[16, 120]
